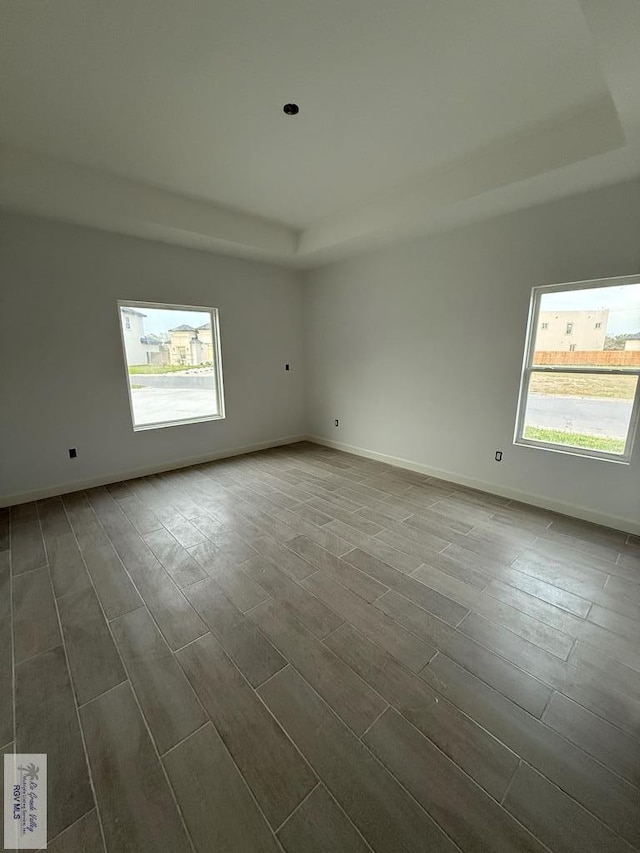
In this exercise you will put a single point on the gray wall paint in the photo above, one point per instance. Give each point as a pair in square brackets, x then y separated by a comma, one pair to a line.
[418, 349]
[63, 381]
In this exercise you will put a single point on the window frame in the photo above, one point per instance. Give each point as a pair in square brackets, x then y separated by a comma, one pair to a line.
[528, 369]
[217, 361]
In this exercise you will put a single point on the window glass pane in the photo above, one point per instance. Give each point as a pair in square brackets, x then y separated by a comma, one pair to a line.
[171, 364]
[580, 410]
[598, 327]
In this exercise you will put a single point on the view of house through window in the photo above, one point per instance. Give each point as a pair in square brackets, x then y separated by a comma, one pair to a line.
[172, 356]
[580, 388]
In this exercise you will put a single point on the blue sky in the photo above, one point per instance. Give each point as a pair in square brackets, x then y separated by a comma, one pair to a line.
[623, 302]
[159, 320]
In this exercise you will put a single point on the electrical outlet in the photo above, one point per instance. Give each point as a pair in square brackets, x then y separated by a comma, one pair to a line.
[336, 422]
[498, 456]
[72, 453]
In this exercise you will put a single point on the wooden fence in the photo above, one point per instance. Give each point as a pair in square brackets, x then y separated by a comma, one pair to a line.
[592, 358]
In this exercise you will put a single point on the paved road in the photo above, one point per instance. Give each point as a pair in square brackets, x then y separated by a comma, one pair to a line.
[577, 414]
[574, 414]
[154, 405]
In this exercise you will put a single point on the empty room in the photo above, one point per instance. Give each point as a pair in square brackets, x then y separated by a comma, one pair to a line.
[319, 426]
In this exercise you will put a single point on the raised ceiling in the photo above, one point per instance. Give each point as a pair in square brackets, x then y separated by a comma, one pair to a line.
[165, 118]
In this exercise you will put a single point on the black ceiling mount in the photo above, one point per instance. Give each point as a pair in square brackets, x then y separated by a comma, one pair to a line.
[291, 109]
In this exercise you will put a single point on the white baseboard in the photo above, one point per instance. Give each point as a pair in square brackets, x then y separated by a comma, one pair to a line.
[132, 473]
[627, 525]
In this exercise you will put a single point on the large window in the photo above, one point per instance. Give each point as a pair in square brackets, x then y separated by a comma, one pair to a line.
[173, 365]
[580, 389]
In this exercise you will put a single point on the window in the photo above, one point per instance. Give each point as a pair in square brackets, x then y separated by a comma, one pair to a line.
[569, 329]
[173, 369]
[545, 326]
[583, 400]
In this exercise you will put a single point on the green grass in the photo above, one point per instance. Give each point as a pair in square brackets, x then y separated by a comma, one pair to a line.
[611, 386]
[137, 386]
[575, 439]
[135, 369]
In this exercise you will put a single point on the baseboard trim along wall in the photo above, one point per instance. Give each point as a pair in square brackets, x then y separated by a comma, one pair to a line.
[52, 491]
[627, 525]
[584, 513]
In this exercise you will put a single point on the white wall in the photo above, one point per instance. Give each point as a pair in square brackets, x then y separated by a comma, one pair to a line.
[417, 349]
[63, 382]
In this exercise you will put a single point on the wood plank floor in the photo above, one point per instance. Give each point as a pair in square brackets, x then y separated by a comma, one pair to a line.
[301, 650]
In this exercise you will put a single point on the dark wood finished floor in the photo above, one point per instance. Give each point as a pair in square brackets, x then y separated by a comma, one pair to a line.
[301, 650]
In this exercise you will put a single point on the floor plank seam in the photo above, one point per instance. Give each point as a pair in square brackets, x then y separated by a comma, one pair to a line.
[373, 722]
[266, 495]
[356, 829]
[73, 689]
[510, 783]
[71, 825]
[256, 692]
[300, 804]
[145, 724]
[186, 645]
[13, 641]
[133, 692]
[374, 757]
[241, 775]
[273, 675]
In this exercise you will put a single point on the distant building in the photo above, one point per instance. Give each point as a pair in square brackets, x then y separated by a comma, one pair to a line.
[190, 345]
[139, 348]
[206, 336]
[569, 331]
[632, 344]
